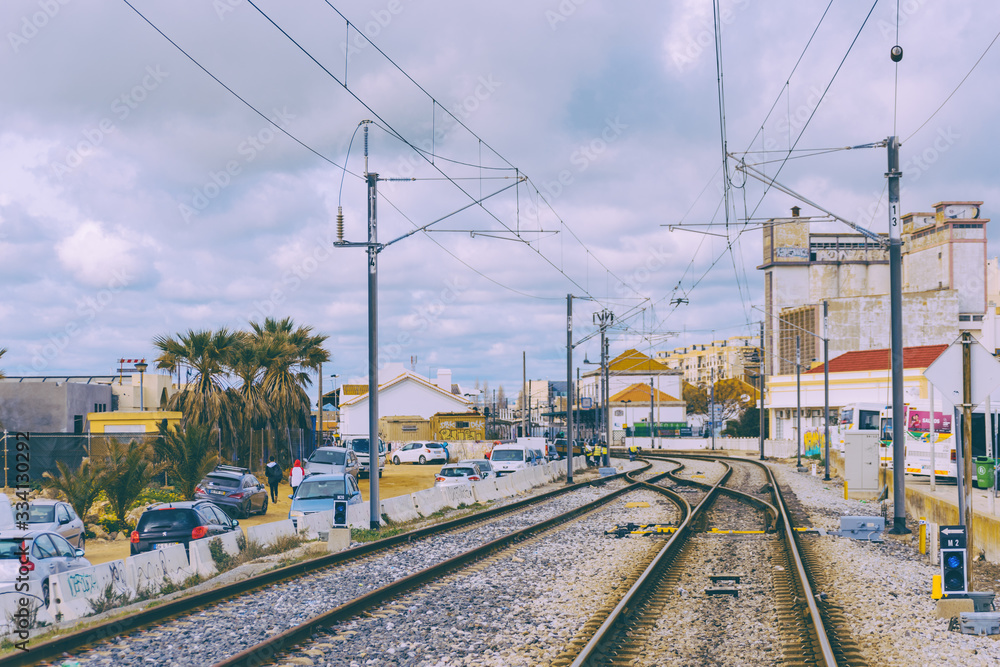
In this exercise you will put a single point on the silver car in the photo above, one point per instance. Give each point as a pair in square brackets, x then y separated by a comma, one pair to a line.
[331, 460]
[57, 517]
[38, 556]
[483, 464]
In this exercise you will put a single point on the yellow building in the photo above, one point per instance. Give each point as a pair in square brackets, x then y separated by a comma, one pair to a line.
[131, 422]
[451, 426]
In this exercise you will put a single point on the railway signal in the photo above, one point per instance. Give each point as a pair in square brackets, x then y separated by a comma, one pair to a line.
[954, 557]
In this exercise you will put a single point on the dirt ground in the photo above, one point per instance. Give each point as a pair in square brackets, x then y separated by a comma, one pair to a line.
[396, 481]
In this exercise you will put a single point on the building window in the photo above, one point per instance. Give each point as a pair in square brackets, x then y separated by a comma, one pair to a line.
[409, 428]
[462, 424]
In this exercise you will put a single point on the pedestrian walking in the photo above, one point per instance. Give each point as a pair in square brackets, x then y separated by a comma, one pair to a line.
[295, 477]
[274, 476]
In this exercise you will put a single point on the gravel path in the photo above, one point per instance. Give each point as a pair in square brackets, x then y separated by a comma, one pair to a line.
[519, 608]
[224, 630]
[883, 589]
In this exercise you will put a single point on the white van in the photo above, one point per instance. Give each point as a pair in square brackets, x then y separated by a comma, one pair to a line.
[507, 459]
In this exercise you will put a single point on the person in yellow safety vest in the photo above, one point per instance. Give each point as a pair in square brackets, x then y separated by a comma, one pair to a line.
[632, 452]
[588, 451]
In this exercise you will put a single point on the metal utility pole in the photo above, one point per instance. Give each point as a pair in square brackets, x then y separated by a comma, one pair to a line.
[966, 444]
[319, 429]
[896, 328]
[524, 393]
[569, 388]
[761, 373]
[826, 389]
[375, 514]
[652, 405]
[933, 439]
[604, 319]
[798, 399]
[711, 405]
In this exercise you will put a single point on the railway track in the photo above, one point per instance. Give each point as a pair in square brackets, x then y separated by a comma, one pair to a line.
[725, 598]
[241, 605]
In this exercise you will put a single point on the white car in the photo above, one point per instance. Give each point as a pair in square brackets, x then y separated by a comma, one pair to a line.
[43, 554]
[484, 466]
[418, 452]
[455, 474]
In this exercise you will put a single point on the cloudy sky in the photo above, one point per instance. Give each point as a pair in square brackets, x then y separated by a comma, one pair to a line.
[140, 197]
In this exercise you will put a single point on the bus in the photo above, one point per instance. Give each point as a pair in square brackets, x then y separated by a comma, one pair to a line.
[917, 441]
[857, 418]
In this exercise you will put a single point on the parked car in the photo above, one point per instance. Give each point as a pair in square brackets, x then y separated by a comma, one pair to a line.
[163, 525]
[328, 460]
[539, 457]
[233, 489]
[360, 446]
[44, 554]
[318, 493]
[512, 457]
[57, 517]
[454, 474]
[419, 452]
[484, 466]
[553, 453]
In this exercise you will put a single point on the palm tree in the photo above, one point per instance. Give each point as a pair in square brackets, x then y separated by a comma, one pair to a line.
[287, 354]
[250, 408]
[187, 456]
[127, 473]
[3, 351]
[80, 489]
[205, 400]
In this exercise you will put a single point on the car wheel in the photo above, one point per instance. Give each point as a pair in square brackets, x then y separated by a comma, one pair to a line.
[263, 509]
[395, 461]
[45, 593]
[423, 459]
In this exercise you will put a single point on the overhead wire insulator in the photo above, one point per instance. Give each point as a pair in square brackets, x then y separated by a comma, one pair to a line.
[340, 223]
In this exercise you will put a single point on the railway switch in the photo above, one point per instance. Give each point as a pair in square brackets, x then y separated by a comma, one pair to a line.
[640, 529]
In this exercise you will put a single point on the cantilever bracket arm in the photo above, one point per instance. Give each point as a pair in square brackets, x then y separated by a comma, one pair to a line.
[760, 176]
[445, 217]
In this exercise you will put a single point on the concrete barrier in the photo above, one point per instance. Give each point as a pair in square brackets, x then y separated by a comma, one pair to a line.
[459, 495]
[267, 534]
[74, 593]
[148, 571]
[14, 616]
[400, 508]
[486, 490]
[312, 524]
[537, 476]
[429, 501]
[503, 487]
[359, 516]
[201, 557]
[521, 481]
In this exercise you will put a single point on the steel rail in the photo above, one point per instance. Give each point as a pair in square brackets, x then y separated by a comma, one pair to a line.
[628, 603]
[265, 652]
[819, 627]
[74, 641]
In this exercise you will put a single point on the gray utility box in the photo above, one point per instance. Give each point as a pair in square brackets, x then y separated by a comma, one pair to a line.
[861, 462]
[868, 528]
[979, 623]
[607, 472]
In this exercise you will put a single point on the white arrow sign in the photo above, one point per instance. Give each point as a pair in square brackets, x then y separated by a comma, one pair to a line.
[946, 373]
[953, 531]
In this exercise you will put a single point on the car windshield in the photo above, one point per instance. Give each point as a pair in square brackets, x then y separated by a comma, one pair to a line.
[10, 548]
[360, 445]
[457, 472]
[166, 520]
[507, 455]
[222, 480]
[41, 513]
[311, 490]
[483, 464]
[333, 457]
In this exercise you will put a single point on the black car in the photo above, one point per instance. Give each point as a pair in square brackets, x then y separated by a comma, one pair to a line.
[165, 524]
[234, 490]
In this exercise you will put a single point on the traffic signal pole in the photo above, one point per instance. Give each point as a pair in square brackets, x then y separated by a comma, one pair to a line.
[896, 329]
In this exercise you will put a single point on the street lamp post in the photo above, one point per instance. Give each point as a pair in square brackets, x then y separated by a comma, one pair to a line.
[141, 367]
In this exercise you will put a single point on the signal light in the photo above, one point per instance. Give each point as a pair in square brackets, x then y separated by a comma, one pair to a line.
[199, 532]
[340, 513]
[953, 571]
[135, 537]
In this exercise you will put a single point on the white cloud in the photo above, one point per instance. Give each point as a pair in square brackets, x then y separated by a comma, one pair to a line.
[98, 258]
